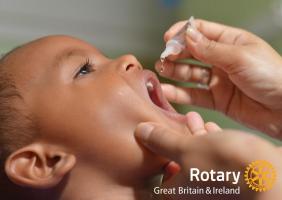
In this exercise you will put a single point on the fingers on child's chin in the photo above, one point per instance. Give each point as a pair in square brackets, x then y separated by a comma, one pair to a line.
[198, 127]
[196, 123]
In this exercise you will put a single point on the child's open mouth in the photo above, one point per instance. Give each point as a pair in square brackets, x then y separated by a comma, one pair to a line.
[158, 99]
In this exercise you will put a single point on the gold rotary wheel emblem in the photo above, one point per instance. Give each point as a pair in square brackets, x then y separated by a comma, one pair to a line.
[260, 175]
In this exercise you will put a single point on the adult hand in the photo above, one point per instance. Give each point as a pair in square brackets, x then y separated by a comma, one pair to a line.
[197, 127]
[226, 151]
[245, 81]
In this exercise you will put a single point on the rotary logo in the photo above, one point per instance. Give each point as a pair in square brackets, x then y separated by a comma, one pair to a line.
[260, 175]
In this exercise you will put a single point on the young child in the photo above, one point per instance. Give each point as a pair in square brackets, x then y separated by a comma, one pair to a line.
[67, 121]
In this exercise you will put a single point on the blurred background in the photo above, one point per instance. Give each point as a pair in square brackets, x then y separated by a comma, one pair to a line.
[132, 26]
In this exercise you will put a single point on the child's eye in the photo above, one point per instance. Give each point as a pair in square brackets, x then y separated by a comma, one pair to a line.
[86, 68]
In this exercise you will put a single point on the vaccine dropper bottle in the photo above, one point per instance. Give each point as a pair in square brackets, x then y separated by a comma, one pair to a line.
[177, 43]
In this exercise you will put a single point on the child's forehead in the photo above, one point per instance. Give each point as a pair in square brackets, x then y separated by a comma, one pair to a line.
[61, 46]
[33, 58]
[53, 45]
[49, 49]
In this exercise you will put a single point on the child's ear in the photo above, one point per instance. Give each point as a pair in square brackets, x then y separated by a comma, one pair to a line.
[38, 166]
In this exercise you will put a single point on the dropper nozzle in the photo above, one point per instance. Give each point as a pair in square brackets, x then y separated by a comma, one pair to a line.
[177, 43]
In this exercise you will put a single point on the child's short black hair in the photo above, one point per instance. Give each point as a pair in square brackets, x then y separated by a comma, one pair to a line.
[16, 127]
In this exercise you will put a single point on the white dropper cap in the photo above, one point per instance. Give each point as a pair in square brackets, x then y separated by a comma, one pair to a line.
[177, 43]
[173, 47]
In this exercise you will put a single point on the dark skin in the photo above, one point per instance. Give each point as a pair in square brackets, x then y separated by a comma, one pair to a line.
[87, 107]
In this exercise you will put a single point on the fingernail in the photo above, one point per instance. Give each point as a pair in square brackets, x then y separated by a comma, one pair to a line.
[143, 131]
[193, 33]
[205, 75]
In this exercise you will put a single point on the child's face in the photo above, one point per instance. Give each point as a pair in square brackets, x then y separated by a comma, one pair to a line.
[93, 110]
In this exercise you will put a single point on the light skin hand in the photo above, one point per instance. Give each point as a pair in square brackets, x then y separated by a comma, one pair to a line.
[228, 150]
[246, 75]
[197, 127]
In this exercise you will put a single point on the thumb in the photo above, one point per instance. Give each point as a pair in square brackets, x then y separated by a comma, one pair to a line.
[211, 52]
[160, 140]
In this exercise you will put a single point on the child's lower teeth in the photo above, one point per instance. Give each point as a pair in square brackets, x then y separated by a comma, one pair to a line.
[149, 86]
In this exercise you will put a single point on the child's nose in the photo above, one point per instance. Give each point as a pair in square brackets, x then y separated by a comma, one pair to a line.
[128, 63]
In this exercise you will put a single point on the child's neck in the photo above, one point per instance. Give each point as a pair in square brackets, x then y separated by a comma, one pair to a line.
[91, 185]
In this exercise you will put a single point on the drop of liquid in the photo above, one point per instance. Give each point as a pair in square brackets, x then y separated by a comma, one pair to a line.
[162, 65]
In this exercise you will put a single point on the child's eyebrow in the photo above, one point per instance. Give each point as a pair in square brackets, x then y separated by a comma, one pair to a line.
[66, 54]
